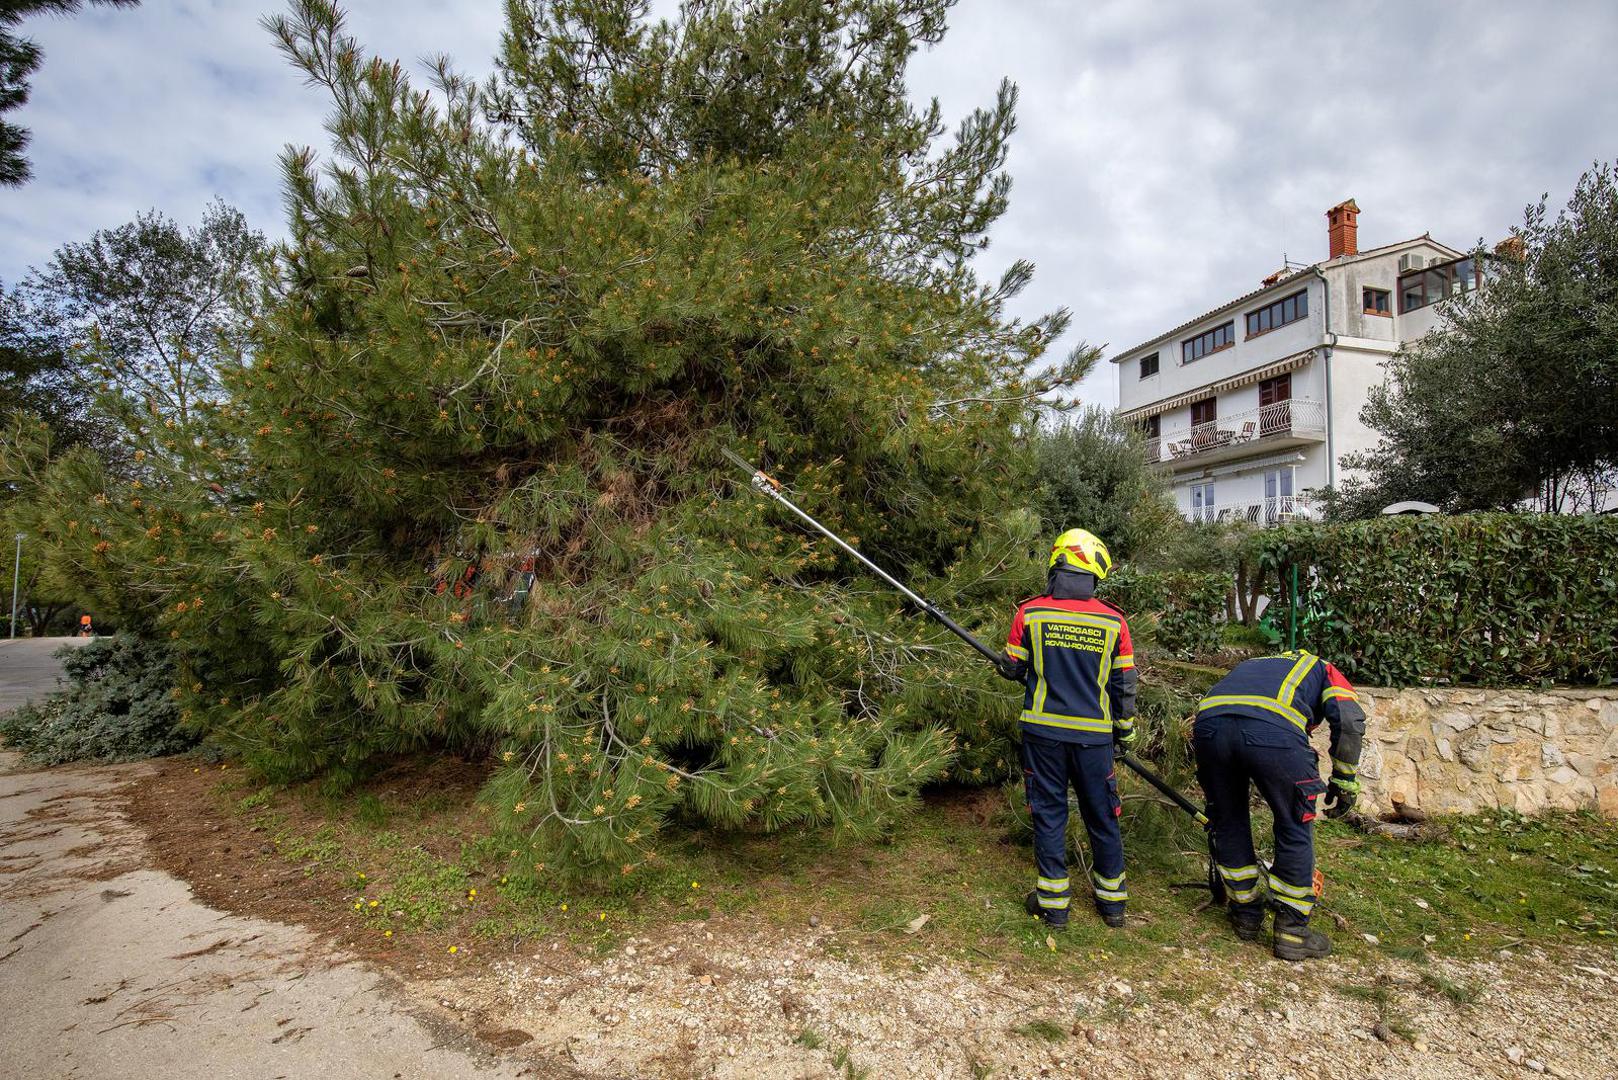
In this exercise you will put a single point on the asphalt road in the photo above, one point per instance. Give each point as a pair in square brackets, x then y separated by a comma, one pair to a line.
[28, 668]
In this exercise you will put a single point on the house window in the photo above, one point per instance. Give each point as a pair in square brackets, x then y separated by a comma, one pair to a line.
[1152, 426]
[1275, 405]
[1204, 412]
[1148, 366]
[1270, 316]
[1420, 288]
[1279, 504]
[1202, 501]
[1378, 301]
[1220, 337]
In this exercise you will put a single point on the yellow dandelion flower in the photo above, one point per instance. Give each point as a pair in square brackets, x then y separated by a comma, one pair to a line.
[374, 903]
[602, 916]
[454, 948]
[471, 894]
[694, 885]
[564, 907]
[387, 933]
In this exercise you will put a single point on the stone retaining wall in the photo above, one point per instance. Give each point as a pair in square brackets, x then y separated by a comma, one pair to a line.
[1462, 750]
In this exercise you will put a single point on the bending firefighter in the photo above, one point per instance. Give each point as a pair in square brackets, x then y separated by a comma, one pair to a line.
[1253, 729]
[1072, 654]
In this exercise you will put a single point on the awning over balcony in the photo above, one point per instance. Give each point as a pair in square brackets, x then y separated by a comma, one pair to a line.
[1246, 378]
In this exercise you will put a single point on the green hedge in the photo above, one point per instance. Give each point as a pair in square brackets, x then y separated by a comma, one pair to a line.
[1485, 599]
[1178, 612]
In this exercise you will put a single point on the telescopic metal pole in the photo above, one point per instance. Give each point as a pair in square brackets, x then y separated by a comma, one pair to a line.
[766, 485]
[16, 577]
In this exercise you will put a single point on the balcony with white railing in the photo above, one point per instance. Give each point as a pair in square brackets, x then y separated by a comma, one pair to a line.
[1270, 511]
[1275, 426]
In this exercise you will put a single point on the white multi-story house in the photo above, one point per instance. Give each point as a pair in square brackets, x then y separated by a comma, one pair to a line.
[1252, 406]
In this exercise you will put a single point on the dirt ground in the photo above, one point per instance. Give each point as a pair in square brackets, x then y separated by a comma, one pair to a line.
[724, 997]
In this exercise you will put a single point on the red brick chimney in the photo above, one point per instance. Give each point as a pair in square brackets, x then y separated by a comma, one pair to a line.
[1341, 229]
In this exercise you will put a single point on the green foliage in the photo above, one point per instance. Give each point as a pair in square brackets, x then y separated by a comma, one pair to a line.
[150, 314]
[39, 374]
[1180, 612]
[1093, 474]
[1489, 599]
[19, 58]
[1514, 395]
[118, 706]
[512, 330]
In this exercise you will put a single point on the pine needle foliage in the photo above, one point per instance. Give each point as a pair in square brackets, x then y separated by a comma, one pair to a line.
[468, 491]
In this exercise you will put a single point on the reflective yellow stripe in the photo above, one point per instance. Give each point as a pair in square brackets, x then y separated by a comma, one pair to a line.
[1302, 907]
[1016, 652]
[1112, 894]
[1243, 896]
[1288, 889]
[1338, 691]
[1107, 883]
[1036, 625]
[1258, 702]
[1072, 723]
[1053, 885]
[1239, 873]
[1289, 685]
[1125, 660]
[1127, 724]
[1343, 767]
[1056, 903]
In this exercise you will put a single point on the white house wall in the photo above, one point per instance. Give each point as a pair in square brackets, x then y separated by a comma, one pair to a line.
[1175, 377]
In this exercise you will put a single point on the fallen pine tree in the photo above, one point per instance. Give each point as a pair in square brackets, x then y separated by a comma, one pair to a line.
[465, 491]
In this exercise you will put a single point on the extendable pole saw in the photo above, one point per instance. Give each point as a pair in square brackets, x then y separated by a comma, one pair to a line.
[770, 488]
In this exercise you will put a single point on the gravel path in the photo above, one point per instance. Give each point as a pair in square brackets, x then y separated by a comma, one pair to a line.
[703, 1003]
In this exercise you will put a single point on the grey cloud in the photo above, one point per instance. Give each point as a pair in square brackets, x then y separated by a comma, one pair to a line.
[1167, 154]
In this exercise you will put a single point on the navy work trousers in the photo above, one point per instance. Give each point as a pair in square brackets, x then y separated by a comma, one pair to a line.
[1049, 768]
[1234, 752]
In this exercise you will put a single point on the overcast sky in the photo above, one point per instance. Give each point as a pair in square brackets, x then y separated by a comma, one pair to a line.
[1167, 154]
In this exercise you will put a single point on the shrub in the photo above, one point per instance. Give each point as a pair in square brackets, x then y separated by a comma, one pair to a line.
[117, 707]
[1478, 598]
[1179, 612]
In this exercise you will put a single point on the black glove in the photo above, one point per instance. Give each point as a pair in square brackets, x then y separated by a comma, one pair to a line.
[1341, 795]
[1010, 670]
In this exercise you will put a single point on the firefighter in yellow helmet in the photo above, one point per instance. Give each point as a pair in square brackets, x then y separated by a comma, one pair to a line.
[1072, 654]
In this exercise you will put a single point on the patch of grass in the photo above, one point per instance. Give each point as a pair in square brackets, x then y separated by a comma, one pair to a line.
[977, 1068]
[810, 1039]
[1048, 1030]
[844, 1063]
[961, 860]
[1388, 1021]
[1478, 882]
[1460, 993]
[370, 811]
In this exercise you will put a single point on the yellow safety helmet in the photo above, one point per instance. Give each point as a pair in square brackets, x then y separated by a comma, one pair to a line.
[1080, 549]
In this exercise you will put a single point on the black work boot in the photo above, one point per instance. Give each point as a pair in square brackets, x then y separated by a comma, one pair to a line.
[1112, 913]
[1247, 920]
[1055, 918]
[1293, 938]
